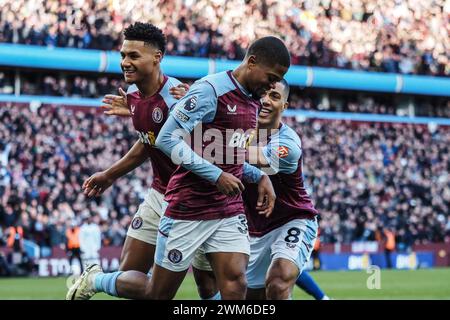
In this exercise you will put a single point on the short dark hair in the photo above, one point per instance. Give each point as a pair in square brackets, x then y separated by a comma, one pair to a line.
[270, 50]
[286, 87]
[146, 32]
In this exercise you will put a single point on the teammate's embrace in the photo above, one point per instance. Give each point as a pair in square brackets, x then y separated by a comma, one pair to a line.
[281, 244]
[198, 215]
[205, 209]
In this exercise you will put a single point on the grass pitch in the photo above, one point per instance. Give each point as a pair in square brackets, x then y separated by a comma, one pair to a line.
[395, 284]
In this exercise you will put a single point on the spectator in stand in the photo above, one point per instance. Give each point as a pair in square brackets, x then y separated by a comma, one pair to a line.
[388, 244]
[90, 241]
[94, 87]
[73, 246]
[410, 36]
[5, 270]
[362, 175]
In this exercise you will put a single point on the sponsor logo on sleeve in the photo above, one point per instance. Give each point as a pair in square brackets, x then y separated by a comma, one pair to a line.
[190, 104]
[282, 152]
[181, 116]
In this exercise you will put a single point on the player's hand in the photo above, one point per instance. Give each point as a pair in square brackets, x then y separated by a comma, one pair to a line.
[266, 196]
[229, 184]
[116, 105]
[179, 91]
[96, 184]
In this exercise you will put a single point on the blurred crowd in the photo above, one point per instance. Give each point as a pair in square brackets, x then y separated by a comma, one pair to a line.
[375, 103]
[46, 154]
[408, 36]
[362, 177]
[366, 177]
[50, 84]
[62, 86]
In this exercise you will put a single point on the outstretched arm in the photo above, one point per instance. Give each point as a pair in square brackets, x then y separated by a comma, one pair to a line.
[96, 184]
[279, 155]
[170, 141]
[116, 105]
[198, 106]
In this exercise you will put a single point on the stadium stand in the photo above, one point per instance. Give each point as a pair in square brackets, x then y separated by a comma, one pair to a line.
[409, 37]
[41, 173]
[386, 170]
[93, 86]
[362, 176]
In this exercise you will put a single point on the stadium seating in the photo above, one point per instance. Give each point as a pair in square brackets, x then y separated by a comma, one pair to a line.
[362, 176]
[409, 37]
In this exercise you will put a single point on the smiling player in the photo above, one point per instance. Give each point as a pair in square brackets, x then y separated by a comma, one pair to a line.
[281, 244]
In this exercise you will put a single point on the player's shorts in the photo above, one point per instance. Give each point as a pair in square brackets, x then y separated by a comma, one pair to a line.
[179, 240]
[293, 241]
[144, 226]
[200, 261]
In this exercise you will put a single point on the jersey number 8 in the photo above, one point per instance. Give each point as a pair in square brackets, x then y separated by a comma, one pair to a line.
[292, 236]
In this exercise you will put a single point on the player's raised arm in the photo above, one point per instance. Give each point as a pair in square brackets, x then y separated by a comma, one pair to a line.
[179, 91]
[116, 105]
[199, 105]
[96, 184]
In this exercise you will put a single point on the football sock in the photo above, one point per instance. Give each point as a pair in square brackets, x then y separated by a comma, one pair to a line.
[307, 283]
[217, 296]
[106, 282]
